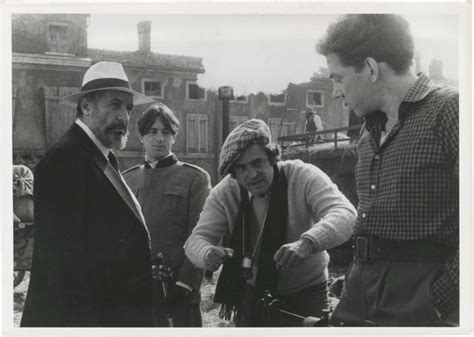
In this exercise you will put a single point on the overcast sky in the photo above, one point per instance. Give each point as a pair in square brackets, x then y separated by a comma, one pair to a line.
[255, 52]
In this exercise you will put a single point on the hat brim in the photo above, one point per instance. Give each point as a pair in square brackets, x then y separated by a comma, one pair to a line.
[138, 99]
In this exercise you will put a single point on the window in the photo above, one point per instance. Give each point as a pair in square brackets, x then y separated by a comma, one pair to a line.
[152, 88]
[314, 98]
[58, 37]
[277, 99]
[240, 99]
[274, 124]
[194, 92]
[236, 120]
[196, 133]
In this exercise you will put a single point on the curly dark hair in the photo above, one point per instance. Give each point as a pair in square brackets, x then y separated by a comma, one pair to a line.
[384, 37]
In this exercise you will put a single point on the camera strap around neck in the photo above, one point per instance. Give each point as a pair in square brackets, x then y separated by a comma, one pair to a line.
[230, 287]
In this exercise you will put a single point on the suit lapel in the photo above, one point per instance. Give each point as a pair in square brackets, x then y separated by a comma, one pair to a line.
[110, 173]
[119, 184]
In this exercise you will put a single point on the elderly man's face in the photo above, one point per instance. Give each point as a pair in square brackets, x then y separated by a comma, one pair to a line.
[109, 116]
[253, 170]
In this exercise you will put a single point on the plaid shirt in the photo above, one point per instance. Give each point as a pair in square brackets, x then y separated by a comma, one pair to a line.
[408, 187]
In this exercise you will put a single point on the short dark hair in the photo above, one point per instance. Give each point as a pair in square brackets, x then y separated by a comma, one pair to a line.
[273, 153]
[384, 37]
[92, 97]
[154, 111]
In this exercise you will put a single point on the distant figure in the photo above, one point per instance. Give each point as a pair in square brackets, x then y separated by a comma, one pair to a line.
[91, 260]
[171, 194]
[313, 123]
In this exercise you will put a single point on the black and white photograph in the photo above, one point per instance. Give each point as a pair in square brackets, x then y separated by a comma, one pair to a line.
[237, 165]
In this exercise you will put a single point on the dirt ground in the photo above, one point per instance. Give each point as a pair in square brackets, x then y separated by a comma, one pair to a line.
[209, 309]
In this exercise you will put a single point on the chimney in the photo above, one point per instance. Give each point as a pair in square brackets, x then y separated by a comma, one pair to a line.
[144, 30]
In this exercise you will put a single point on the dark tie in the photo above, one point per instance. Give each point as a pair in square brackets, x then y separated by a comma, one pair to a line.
[113, 161]
[375, 124]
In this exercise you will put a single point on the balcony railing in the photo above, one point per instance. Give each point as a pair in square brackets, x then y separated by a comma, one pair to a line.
[310, 138]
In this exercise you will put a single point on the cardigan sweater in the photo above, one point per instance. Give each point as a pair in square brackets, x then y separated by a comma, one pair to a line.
[317, 210]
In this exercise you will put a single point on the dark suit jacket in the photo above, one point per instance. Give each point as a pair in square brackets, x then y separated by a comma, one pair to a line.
[91, 260]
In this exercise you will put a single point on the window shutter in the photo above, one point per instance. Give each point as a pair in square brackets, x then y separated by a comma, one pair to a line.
[58, 117]
[203, 133]
[191, 133]
[196, 133]
[58, 37]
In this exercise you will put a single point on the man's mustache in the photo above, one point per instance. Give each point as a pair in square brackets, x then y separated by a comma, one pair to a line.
[117, 126]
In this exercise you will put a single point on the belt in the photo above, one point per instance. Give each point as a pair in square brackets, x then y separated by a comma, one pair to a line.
[368, 249]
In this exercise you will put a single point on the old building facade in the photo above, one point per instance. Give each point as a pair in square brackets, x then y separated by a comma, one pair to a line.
[50, 55]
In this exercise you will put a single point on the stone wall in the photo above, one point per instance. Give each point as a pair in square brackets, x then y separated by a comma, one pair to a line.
[30, 33]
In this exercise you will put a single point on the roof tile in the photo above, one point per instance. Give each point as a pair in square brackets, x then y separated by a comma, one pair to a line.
[149, 60]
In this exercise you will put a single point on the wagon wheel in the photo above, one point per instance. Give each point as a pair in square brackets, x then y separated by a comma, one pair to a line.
[18, 276]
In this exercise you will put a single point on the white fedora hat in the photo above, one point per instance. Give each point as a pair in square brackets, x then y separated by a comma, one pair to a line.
[106, 76]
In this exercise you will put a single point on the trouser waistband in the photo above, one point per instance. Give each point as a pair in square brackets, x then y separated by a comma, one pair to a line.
[368, 249]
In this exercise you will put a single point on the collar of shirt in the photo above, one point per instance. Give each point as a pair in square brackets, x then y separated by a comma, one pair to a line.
[420, 89]
[105, 151]
[154, 163]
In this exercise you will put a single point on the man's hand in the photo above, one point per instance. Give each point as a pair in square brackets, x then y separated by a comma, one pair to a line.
[215, 256]
[293, 254]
